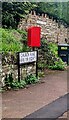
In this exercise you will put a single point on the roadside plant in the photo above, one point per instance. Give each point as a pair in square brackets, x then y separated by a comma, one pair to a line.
[13, 84]
[49, 57]
[17, 85]
[58, 65]
[31, 79]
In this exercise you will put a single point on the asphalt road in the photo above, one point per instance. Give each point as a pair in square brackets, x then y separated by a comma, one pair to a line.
[52, 110]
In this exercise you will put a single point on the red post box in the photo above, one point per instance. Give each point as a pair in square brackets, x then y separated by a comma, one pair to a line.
[34, 36]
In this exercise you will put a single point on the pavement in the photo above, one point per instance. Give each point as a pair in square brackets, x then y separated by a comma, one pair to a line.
[21, 103]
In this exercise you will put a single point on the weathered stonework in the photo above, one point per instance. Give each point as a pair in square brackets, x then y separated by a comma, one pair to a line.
[50, 29]
[8, 68]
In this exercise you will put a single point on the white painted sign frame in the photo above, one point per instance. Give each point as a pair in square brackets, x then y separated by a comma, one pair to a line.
[27, 57]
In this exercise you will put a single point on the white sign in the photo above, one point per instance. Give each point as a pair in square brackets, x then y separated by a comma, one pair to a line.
[41, 22]
[27, 57]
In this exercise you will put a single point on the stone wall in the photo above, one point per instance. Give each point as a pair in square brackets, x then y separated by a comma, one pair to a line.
[0, 69]
[50, 29]
[9, 66]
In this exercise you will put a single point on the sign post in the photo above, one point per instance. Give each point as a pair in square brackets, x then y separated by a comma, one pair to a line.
[27, 58]
[34, 41]
[30, 57]
[37, 66]
[18, 69]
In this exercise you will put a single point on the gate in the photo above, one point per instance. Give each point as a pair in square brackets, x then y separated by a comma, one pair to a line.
[63, 52]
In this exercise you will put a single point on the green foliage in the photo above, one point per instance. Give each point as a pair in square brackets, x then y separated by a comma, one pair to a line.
[13, 11]
[31, 79]
[17, 85]
[10, 83]
[58, 65]
[24, 40]
[41, 65]
[54, 48]
[41, 74]
[14, 84]
[10, 42]
[13, 40]
[8, 80]
[57, 10]
[50, 57]
[1, 89]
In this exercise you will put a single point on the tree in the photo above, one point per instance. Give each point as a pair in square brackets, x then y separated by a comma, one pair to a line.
[13, 11]
[58, 10]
